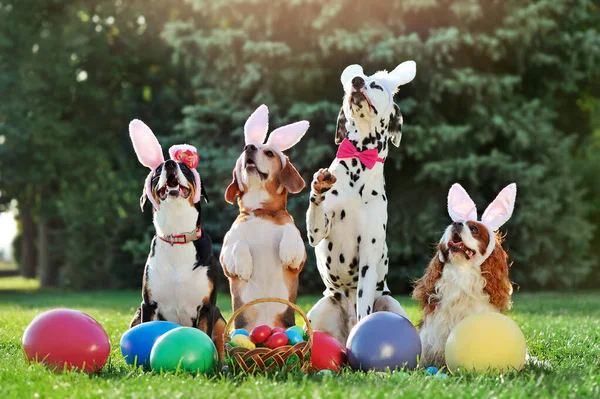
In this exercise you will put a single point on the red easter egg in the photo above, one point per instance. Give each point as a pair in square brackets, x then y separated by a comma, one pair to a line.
[67, 338]
[278, 330]
[326, 352]
[259, 334]
[276, 340]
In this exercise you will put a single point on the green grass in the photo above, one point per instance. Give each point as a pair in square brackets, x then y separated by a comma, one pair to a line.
[562, 330]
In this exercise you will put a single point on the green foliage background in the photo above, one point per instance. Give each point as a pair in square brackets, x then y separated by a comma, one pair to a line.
[505, 91]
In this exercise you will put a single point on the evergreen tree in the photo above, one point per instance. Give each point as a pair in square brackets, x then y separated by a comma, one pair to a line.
[493, 102]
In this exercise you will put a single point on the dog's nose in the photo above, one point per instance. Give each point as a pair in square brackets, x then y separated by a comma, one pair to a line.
[250, 148]
[457, 225]
[358, 82]
[170, 165]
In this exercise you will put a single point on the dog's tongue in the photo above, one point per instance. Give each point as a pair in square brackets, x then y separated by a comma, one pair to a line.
[453, 244]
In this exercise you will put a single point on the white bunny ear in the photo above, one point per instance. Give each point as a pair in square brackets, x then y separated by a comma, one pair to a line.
[287, 136]
[460, 206]
[501, 209]
[257, 125]
[350, 72]
[403, 73]
[145, 144]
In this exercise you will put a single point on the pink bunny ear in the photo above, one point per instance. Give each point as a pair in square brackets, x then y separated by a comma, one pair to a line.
[501, 209]
[145, 144]
[460, 206]
[287, 136]
[257, 125]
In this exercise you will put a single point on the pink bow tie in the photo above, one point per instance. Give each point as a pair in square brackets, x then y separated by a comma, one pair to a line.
[368, 157]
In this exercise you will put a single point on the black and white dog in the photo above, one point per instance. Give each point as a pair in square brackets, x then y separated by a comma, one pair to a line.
[180, 278]
[347, 213]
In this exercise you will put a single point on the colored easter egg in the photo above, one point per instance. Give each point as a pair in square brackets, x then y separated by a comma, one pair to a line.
[259, 334]
[276, 340]
[432, 370]
[294, 337]
[298, 329]
[278, 330]
[243, 341]
[239, 331]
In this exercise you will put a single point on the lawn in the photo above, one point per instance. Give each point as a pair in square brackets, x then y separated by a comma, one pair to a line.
[562, 331]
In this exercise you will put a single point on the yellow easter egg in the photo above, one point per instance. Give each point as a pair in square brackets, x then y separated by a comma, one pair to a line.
[243, 341]
[486, 341]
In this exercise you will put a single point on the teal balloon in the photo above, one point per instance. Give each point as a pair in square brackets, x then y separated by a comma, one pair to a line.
[184, 348]
[294, 337]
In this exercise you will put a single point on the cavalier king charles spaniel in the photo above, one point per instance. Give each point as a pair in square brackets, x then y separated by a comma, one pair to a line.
[469, 272]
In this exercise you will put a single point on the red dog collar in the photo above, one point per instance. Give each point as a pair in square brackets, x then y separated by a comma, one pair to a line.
[182, 238]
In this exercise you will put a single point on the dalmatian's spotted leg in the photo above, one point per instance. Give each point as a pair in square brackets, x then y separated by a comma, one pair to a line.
[317, 220]
[370, 248]
[383, 299]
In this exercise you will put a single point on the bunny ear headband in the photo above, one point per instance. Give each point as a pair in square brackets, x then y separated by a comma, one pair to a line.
[280, 139]
[401, 75]
[462, 208]
[149, 153]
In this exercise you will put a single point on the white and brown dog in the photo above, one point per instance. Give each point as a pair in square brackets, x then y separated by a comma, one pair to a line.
[469, 272]
[263, 252]
[180, 278]
[347, 214]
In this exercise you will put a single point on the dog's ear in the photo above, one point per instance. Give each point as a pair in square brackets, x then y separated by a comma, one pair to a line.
[203, 192]
[290, 178]
[340, 129]
[143, 199]
[395, 127]
[233, 190]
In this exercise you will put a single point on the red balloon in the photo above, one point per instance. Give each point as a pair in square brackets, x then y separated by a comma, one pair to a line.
[276, 340]
[326, 353]
[259, 334]
[68, 337]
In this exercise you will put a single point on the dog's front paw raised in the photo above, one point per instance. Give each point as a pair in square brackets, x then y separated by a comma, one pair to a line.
[291, 248]
[237, 260]
[323, 180]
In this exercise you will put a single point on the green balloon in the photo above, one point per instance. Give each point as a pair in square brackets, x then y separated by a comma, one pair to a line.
[185, 348]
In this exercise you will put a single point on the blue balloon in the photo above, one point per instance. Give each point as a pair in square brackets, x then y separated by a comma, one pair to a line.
[137, 342]
[383, 340]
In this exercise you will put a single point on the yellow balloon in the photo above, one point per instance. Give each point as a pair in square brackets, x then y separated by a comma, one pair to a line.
[486, 341]
[243, 341]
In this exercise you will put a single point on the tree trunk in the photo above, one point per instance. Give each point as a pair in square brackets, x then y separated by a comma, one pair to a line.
[27, 264]
[47, 268]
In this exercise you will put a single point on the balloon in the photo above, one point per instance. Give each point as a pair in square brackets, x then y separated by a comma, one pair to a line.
[326, 353]
[67, 338]
[185, 348]
[383, 340]
[137, 342]
[486, 341]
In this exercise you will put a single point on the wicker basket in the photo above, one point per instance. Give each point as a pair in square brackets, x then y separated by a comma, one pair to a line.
[266, 359]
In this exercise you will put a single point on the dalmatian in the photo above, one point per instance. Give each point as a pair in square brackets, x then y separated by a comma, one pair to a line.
[347, 214]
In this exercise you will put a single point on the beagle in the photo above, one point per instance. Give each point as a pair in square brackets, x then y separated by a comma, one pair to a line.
[263, 252]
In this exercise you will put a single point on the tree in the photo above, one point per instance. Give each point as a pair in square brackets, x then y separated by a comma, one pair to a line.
[74, 75]
[493, 102]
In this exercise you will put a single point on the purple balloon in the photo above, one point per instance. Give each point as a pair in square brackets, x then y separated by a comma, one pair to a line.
[383, 340]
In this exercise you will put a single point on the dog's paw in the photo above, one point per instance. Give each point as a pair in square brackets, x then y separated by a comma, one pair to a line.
[291, 248]
[237, 260]
[323, 180]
